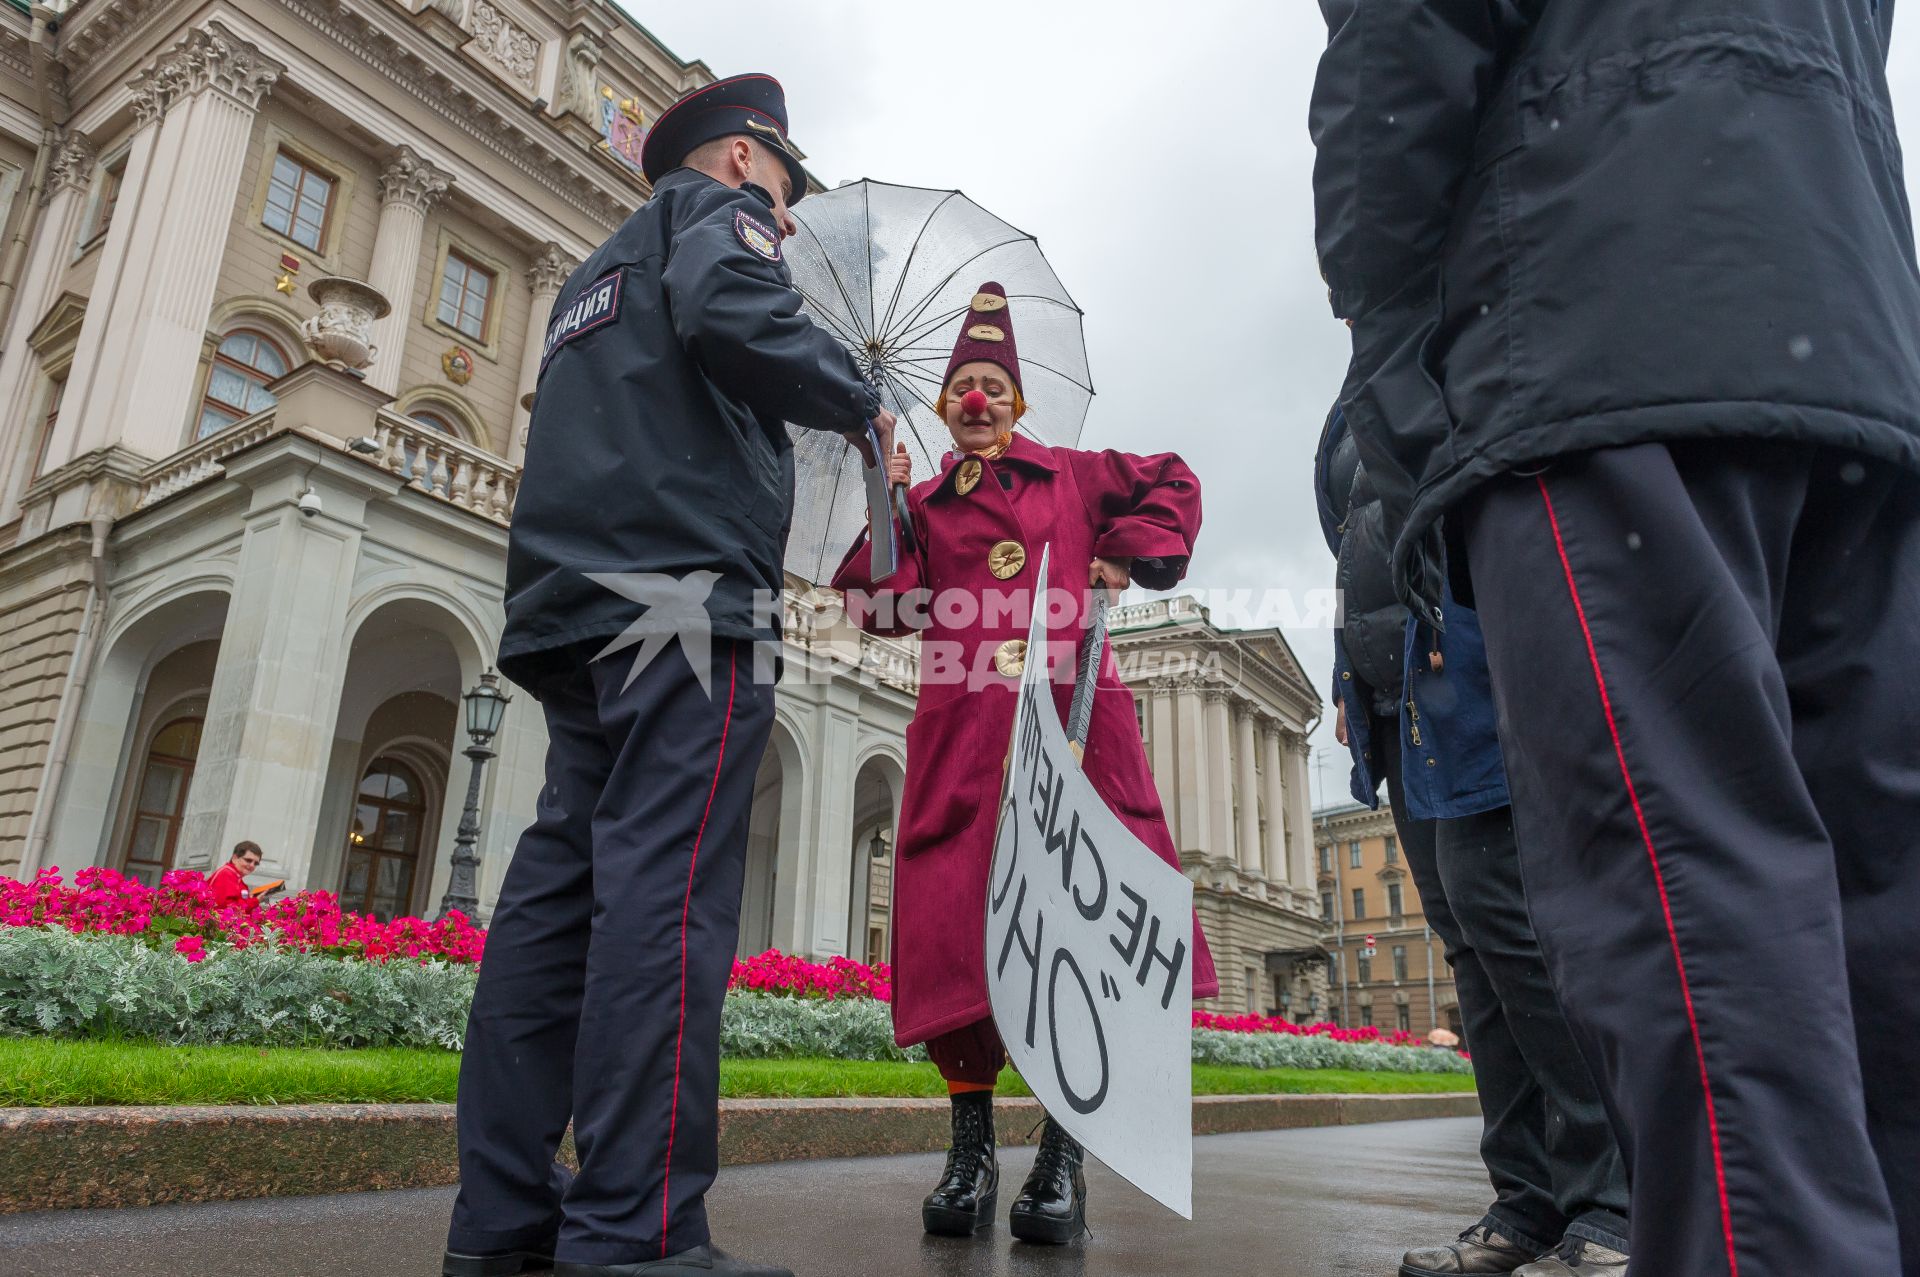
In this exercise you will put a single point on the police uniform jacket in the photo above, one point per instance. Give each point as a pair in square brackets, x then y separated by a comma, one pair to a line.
[1559, 227]
[673, 358]
[982, 527]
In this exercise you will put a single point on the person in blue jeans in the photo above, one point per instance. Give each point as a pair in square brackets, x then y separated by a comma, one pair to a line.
[1416, 710]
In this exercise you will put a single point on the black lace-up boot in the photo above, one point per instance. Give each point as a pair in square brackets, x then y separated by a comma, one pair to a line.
[1052, 1206]
[970, 1187]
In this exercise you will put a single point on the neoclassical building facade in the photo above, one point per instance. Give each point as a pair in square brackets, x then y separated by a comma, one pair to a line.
[243, 592]
[1226, 716]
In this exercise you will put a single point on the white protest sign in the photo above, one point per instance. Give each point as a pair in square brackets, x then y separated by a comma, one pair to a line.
[1089, 957]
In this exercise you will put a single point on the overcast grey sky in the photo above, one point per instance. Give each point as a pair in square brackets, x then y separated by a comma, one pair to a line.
[1160, 154]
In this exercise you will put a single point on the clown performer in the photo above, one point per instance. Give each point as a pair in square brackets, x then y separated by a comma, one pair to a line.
[980, 525]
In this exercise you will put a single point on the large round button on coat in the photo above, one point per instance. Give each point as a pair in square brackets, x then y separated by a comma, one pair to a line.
[1010, 658]
[1006, 559]
[969, 476]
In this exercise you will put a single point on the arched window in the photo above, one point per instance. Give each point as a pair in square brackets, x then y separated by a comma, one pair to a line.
[237, 386]
[383, 846]
[161, 800]
[433, 419]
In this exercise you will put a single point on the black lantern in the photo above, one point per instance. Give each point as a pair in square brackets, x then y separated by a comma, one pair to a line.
[486, 707]
[877, 849]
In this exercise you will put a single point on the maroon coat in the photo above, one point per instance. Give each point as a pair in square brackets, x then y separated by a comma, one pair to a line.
[1085, 505]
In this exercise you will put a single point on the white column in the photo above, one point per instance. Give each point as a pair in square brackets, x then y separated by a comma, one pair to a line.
[1280, 821]
[1192, 769]
[1219, 774]
[1247, 787]
[1300, 843]
[138, 385]
[831, 831]
[544, 278]
[276, 690]
[69, 179]
[409, 186]
[1161, 727]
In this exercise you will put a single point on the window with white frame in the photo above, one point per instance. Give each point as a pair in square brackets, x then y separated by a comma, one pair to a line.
[299, 201]
[466, 295]
[244, 364]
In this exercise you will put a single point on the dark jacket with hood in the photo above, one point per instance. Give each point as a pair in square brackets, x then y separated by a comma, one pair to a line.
[1563, 226]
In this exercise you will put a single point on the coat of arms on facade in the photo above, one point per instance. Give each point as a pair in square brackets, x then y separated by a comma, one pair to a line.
[622, 126]
[457, 363]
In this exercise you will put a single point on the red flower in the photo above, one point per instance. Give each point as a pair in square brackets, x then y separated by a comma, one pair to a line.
[102, 901]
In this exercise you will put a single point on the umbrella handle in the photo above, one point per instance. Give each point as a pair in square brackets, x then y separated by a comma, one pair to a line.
[904, 518]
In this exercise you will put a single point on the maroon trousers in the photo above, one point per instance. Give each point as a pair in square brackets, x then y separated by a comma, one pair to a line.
[972, 1053]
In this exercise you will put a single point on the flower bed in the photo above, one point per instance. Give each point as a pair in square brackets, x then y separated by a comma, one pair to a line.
[1274, 1024]
[108, 956]
[783, 974]
[181, 914]
[1277, 1050]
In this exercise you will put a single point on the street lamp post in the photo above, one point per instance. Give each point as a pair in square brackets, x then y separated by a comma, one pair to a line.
[486, 706]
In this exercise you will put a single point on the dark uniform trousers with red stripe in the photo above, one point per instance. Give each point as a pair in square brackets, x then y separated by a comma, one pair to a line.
[607, 961]
[1706, 661]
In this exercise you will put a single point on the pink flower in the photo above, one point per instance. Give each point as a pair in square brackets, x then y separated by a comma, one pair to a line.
[192, 948]
[104, 902]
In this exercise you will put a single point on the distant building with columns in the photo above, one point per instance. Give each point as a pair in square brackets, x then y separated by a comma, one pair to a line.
[1226, 716]
[243, 592]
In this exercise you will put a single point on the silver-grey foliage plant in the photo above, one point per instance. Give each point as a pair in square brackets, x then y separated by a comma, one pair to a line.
[53, 982]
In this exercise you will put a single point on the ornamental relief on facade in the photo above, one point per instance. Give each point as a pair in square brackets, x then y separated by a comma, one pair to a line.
[505, 45]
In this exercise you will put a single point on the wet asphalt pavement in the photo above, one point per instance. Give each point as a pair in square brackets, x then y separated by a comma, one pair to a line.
[1333, 1202]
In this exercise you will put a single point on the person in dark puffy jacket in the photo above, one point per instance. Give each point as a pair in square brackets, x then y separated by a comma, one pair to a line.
[1560, 1188]
[1636, 325]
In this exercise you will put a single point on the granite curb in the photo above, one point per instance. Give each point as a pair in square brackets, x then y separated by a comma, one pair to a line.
[59, 1158]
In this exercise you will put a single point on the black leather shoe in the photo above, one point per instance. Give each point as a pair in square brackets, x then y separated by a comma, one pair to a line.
[1052, 1206]
[1479, 1251]
[963, 1203]
[502, 1264]
[701, 1261]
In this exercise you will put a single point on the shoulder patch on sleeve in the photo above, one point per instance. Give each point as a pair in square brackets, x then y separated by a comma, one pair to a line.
[759, 238]
[595, 305]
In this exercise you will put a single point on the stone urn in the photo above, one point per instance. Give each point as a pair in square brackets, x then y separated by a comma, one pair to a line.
[340, 335]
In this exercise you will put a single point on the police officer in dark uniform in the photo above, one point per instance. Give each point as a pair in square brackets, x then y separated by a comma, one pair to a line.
[654, 507]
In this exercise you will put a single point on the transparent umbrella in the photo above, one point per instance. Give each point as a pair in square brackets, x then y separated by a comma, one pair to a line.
[891, 271]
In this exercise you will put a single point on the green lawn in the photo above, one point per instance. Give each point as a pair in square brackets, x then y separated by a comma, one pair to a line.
[37, 1072]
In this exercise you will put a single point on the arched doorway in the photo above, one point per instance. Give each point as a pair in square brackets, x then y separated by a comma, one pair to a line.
[160, 800]
[383, 844]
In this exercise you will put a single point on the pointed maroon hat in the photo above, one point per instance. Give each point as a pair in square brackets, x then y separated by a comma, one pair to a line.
[986, 334]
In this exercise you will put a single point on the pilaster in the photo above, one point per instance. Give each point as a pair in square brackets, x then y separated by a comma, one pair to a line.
[1219, 775]
[544, 280]
[69, 180]
[139, 352]
[409, 188]
[1280, 820]
[1246, 784]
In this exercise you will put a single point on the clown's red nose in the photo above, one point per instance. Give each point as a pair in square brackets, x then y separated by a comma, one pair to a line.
[973, 403]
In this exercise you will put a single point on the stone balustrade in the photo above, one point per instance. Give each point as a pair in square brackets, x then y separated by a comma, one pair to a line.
[436, 463]
[203, 460]
[892, 662]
